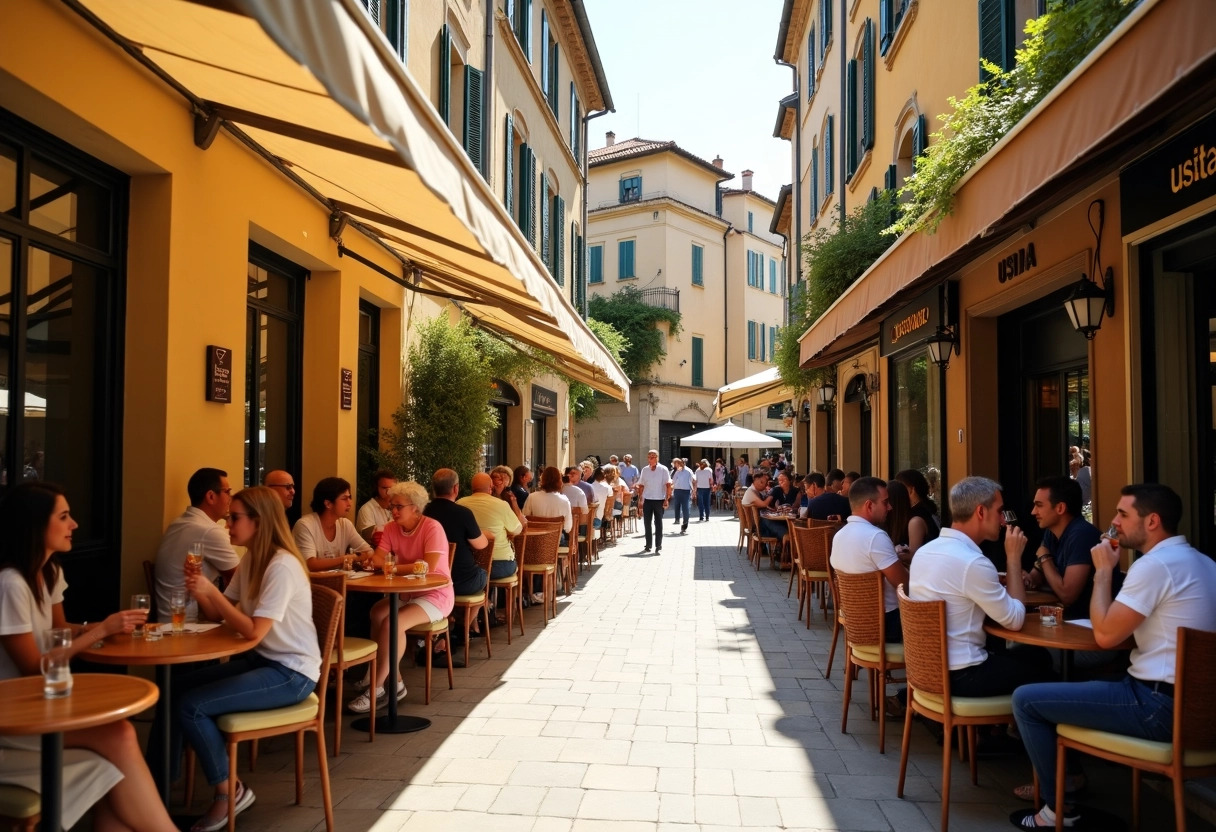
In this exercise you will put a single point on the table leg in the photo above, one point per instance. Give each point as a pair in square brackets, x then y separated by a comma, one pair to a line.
[393, 723]
[52, 782]
[165, 712]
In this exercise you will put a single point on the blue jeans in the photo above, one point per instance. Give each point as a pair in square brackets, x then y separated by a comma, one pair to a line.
[1126, 707]
[502, 569]
[249, 682]
[681, 497]
[703, 503]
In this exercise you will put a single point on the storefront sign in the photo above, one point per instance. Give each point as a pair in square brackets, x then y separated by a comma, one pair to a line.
[348, 388]
[544, 401]
[219, 374]
[1016, 264]
[1175, 176]
[916, 321]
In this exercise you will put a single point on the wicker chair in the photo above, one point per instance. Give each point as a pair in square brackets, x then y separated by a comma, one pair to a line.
[812, 548]
[925, 652]
[477, 601]
[861, 597]
[1192, 753]
[511, 586]
[760, 543]
[347, 652]
[540, 558]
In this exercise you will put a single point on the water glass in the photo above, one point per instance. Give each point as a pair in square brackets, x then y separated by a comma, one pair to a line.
[140, 602]
[177, 609]
[153, 631]
[390, 565]
[55, 665]
[194, 555]
[1051, 615]
[348, 560]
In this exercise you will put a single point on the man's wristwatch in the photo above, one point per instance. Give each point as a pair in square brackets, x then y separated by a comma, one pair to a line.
[1038, 564]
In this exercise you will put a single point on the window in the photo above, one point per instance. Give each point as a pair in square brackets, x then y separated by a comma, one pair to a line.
[814, 179]
[367, 417]
[576, 117]
[508, 182]
[772, 342]
[473, 108]
[631, 189]
[828, 158]
[557, 238]
[755, 269]
[548, 63]
[526, 209]
[751, 223]
[762, 339]
[825, 27]
[578, 269]
[810, 65]
[392, 17]
[772, 276]
[860, 101]
[751, 340]
[915, 411]
[698, 361]
[597, 265]
[519, 12]
[997, 34]
[546, 199]
[890, 15]
[698, 265]
[624, 260]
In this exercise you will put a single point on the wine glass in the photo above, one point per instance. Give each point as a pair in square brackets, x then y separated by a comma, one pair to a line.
[194, 555]
[140, 602]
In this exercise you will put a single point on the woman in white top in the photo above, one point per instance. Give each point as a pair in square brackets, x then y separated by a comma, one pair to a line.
[269, 601]
[549, 501]
[324, 536]
[102, 765]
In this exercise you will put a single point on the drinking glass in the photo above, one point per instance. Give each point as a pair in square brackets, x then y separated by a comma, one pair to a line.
[390, 565]
[177, 608]
[153, 631]
[348, 560]
[140, 602]
[1009, 516]
[55, 666]
[420, 568]
[1051, 615]
[194, 555]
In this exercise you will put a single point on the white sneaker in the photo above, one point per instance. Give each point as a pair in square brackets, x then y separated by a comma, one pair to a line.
[363, 684]
[538, 598]
[362, 703]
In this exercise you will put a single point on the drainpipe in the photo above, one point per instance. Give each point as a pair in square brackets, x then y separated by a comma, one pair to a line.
[796, 236]
[725, 306]
[842, 25]
[487, 95]
[583, 162]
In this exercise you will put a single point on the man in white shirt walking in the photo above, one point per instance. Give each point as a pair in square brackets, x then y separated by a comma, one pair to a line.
[1170, 586]
[654, 490]
[863, 546]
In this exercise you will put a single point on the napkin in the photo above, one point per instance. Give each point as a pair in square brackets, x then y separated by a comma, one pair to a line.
[201, 627]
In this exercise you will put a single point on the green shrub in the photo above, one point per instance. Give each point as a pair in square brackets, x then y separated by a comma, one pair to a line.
[635, 320]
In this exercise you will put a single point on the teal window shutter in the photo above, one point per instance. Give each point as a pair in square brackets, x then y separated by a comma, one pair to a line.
[825, 25]
[751, 340]
[751, 223]
[810, 65]
[851, 117]
[763, 344]
[544, 53]
[829, 158]
[889, 180]
[508, 185]
[996, 33]
[597, 265]
[698, 362]
[445, 73]
[867, 88]
[532, 197]
[920, 137]
[559, 240]
[698, 265]
[624, 259]
[814, 182]
[574, 121]
[545, 254]
[886, 23]
[473, 87]
[524, 31]
[772, 276]
[395, 25]
[578, 270]
[524, 190]
[554, 78]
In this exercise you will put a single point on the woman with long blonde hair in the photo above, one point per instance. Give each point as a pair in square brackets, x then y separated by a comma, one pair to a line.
[269, 601]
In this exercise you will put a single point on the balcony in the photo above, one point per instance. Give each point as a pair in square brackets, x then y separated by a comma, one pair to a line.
[661, 298]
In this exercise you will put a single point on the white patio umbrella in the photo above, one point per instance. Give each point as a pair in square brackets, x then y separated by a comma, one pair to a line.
[731, 435]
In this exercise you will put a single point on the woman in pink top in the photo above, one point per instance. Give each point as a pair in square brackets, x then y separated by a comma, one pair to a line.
[411, 537]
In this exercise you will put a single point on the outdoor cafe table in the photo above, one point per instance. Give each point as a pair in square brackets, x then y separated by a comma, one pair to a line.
[790, 518]
[217, 642]
[96, 699]
[394, 723]
[1065, 636]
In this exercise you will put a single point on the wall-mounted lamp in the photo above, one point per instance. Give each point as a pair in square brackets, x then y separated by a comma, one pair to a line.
[827, 394]
[565, 438]
[941, 345]
[1089, 301]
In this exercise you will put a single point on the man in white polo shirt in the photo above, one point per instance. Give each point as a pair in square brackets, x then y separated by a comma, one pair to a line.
[654, 491]
[863, 546]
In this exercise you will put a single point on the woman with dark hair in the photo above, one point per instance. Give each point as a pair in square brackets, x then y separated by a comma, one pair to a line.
[549, 501]
[270, 602]
[324, 536]
[519, 485]
[923, 524]
[898, 517]
[102, 766]
[785, 492]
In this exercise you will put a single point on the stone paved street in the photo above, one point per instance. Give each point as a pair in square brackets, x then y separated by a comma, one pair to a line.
[675, 693]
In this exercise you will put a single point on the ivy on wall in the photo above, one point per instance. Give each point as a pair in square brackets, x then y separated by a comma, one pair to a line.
[635, 320]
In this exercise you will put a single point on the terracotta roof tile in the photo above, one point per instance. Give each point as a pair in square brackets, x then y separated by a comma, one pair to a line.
[636, 147]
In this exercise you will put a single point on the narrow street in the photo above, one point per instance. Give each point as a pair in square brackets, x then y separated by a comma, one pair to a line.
[672, 692]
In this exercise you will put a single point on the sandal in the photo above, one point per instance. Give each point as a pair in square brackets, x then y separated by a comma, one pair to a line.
[244, 799]
[1029, 819]
[1074, 785]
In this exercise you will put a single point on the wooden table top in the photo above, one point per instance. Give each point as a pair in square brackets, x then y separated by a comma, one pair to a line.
[215, 643]
[1065, 636]
[400, 583]
[1035, 597]
[96, 699]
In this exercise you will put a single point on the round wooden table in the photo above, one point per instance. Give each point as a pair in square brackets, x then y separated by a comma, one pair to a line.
[394, 723]
[96, 699]
[123, 649]
[1066, 636]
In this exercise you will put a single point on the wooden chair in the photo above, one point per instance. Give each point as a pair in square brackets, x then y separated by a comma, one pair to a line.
[925, 654]
[150, 584]
[511, 586]
[1191, 753]
[540, 558]
[813, 548]
[745, 529]
[837, 617]
[567, 553]
[861, 597]
[298, 719]
[428, 632]
[760, 542]
[347, 652]
[478, 601]
[20, 809]
[631, 512]
[607, 528]
[587, 538]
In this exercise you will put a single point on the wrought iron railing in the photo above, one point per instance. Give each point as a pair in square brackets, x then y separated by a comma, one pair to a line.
[662, 298]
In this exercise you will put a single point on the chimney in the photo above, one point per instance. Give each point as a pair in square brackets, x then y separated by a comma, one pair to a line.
[747, 180]
[609, 139]
[718, 162]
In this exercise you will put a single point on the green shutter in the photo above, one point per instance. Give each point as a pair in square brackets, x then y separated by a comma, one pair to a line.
[698, 265]
[529, 170]
[698, 362]
[825, 24]
[545, 255]
[814, 182]
[445, 73]
[554, 77]
[920, 137]
[751, 340]
[763, 343]
[544, 53]
[525, 190]
[886, 24]
[851, 117]
[867, 88]
[524, 32]
[396, 12]
[828, 157]
[890, 178]
[596, 265]
[996, 33]
[508, 185]
[559, 242]
[810, 65]
[472, 116]
[772, 276]
[373, 10]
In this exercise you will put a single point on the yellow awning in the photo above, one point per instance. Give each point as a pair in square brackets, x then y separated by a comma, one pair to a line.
[759, 390]
[315, 87]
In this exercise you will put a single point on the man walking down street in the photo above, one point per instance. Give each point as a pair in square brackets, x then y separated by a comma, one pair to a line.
[654, 490]
[681, 486]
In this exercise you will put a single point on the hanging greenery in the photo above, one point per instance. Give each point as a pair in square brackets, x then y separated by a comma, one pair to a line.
[582, 398]
[636, 321]
[834, 257]
[1055, 43]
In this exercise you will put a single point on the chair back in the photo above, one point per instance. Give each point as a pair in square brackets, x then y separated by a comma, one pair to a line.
[813, 546]
[1194, 687]
[606, 514]
[517, 544]
[593, 514]
[538, 522]
[861, 601]
[540, 546]
[924, 626]
[150, 584]
[626, 500]
[326, 617]
[484, 557]
[451, 555]
[337, 582]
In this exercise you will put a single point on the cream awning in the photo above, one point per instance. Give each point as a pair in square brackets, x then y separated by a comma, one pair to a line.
[1137, 76]
[317, 89]
[759, 390]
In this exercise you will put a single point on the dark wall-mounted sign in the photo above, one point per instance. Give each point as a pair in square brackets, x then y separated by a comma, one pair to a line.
[1174, 176]
[219, 374]
[544, 401]
[348, 388]
[916, 321]
[1016, 263]
[503, 393]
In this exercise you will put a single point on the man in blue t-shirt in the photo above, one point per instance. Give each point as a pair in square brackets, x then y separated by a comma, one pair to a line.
[1063, 563]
